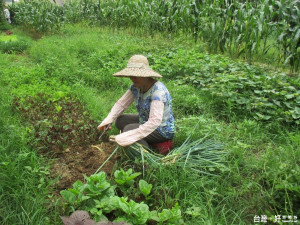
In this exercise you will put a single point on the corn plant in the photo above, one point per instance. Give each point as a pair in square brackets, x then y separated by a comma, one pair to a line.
[4, 25]
[2, 18]
[38, 16]
[289, 33]
[241, 28]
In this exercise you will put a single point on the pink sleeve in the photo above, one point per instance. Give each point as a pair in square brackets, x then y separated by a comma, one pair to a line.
[155, 119]
[123, 103]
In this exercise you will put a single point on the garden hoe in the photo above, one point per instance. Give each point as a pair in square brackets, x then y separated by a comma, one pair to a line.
[106, 129]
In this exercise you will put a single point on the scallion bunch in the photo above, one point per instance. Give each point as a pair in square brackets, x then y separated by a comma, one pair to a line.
[203, 155]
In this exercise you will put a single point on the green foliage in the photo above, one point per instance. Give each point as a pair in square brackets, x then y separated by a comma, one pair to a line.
[262, 163]
[289, 34]
[239, 28]
[136, 213]
[283, 183]
[76, 60]
[185, 99]
[24, 175]
[125, 178]
[236, 87]
[57, 121]
[98, 197]
[3, 23]
[13, 44]
[38, 16]
[203, 155]
[172, 183]
[173, 216]
[145, 188]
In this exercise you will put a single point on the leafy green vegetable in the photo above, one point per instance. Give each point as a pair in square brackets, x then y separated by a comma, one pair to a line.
[98, 197]
[145, 188]
[69, 196]
[125, 177]
[173, 215]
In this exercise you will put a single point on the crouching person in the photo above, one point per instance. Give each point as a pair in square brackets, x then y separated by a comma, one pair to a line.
[154, 123]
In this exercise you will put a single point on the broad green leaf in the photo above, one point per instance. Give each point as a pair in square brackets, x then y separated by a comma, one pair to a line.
[78, 185]
[193, 211]
[296, 113]
[290, 96]
[125, 178]
[154, 215]
[82, 197]
[122, 219]
[68, 196]
[264, 117]
[145, 188]
[109, 204]
[134, 175]
[124, 205]
[141, 212]
[99, 177]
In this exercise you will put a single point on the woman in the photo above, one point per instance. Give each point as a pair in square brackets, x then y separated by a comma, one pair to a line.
[154, 122]
[7, 14]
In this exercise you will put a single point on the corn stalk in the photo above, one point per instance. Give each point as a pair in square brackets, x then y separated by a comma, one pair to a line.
[240, 28]
[2, 18]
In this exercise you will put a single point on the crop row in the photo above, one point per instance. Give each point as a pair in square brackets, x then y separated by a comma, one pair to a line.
[239, 28]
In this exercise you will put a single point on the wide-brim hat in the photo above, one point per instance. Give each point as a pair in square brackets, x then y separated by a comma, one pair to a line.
[138, 66]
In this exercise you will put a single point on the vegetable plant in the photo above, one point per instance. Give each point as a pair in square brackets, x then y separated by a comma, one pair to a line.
[56, 121]
[98, 197]
[243, 29]
[125, 178]
[145, 187]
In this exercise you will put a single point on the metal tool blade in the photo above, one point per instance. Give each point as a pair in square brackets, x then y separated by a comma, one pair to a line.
[106, 129]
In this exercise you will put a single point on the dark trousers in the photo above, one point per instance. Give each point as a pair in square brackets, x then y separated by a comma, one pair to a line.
[128, 122]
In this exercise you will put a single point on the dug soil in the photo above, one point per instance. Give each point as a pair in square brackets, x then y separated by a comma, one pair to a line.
[57, 123]
[70, 164]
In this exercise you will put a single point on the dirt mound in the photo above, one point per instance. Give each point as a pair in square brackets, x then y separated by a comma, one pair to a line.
[72, 163]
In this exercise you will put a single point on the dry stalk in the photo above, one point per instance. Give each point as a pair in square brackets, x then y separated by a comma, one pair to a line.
[95, 146]
[170, 159]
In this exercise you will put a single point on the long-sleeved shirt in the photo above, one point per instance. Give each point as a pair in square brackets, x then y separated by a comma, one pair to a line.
[6, 13]
[154, 109]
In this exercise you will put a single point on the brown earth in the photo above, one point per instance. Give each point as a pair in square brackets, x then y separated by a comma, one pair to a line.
[7, 33]
[70, 165]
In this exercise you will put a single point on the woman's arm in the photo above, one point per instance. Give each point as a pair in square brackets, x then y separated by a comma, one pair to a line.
[119, 107]
[155, 119]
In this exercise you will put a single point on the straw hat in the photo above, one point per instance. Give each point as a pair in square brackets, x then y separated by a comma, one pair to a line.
[138, 66]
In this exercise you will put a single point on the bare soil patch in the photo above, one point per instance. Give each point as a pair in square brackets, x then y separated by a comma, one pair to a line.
[72, 163]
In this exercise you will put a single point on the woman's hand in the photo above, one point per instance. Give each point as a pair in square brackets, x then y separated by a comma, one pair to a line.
[104, 128]
[112, 138]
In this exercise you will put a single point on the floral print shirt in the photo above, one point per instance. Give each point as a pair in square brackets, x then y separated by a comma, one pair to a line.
[159, 92]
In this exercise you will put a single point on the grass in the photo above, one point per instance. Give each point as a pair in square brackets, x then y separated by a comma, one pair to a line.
[24, 175]
[14, 43]
[241, 29]
[79, 62]
[8, 38]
